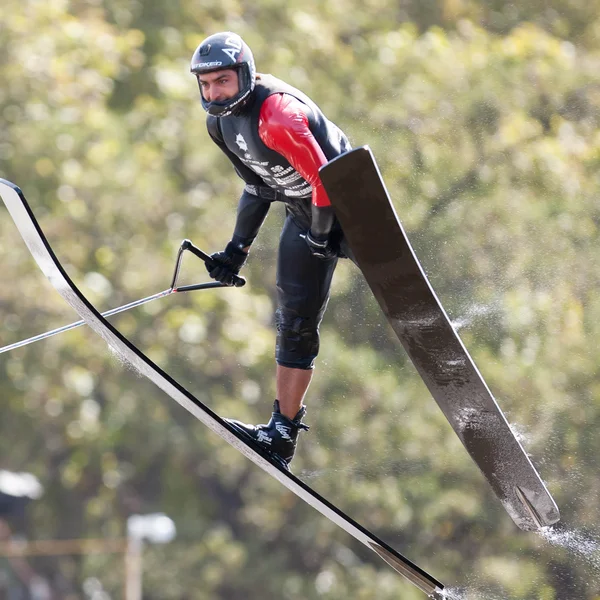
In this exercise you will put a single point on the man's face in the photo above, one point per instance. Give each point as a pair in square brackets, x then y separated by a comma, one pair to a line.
[219, 85]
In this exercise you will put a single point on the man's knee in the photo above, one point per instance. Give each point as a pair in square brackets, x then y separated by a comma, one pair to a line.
[297, 339]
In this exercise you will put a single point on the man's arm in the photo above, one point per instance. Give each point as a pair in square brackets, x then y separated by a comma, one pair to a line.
[251, 214]
[283, 126]
[252, 209]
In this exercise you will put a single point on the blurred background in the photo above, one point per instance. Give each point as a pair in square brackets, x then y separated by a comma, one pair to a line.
[485, 120]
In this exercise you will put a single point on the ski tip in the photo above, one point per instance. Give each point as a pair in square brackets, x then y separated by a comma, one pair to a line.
[345, 156]
[419, 578]
[11, 185]
[539, 521]
[362, 149]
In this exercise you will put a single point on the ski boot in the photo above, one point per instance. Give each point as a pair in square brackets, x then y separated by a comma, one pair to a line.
[278, 437]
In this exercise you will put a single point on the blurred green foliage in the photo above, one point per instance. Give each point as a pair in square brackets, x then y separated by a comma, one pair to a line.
[485, 120]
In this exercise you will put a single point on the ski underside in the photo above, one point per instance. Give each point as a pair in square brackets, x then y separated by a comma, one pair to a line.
[384, 255]
[43, 254]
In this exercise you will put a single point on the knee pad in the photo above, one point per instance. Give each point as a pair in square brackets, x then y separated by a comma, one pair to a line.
[297, 339]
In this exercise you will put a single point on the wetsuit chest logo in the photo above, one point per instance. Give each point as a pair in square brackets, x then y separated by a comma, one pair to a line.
[241, 142]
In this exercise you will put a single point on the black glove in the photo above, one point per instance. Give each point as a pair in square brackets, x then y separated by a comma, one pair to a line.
[227, 263]
[320, 246]
[318, 238]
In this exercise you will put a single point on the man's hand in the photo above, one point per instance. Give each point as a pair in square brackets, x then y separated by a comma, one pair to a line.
[227, 264]
[320, 246]
[318, 236]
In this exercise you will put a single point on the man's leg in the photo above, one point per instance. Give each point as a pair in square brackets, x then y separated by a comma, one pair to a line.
[292, 385]
[303, 283]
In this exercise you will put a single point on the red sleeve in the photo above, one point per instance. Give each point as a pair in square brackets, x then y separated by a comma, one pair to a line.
[283, 127]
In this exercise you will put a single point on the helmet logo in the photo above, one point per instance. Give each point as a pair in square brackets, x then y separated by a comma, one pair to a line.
[207, 65]
[235, 43]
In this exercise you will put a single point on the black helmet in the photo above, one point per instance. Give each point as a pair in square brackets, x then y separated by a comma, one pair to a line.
[221, 51]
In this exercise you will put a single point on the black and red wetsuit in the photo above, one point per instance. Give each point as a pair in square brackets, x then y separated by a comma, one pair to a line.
[276, 146]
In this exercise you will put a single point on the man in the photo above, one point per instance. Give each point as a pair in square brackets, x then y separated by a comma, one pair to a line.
[276, 138]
